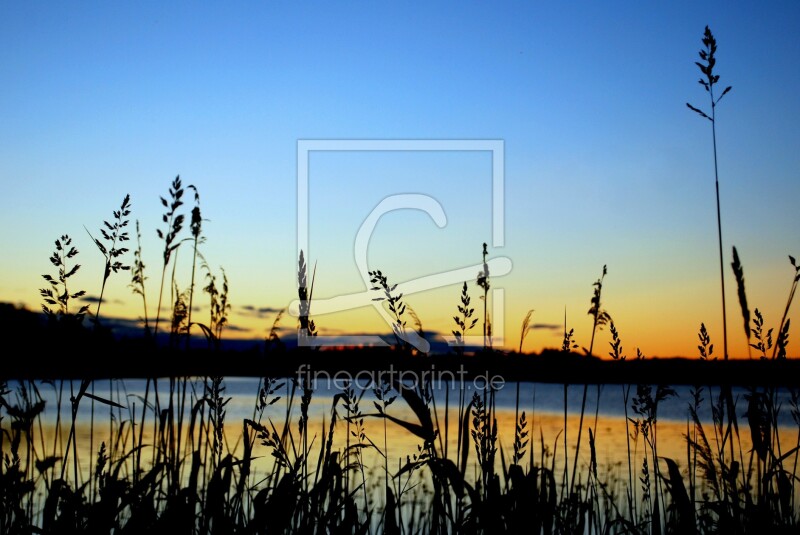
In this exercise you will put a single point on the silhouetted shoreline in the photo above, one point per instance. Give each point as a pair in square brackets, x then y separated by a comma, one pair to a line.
[135, 361]
[49, 354]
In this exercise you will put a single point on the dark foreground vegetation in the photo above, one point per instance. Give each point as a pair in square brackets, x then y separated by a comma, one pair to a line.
[170, 459]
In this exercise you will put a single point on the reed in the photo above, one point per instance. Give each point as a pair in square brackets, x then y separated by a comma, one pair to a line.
[708, 81]
[599, 318]
[792, 289]
[173, 223]
[112, 233]
[305, 292]
[195, 226]
[219, 308]
[395, 304]
[58, 294]
[138, 277]
[738, 272]
[567, 345]
[483, 282]
[525, 329]
[464, 321]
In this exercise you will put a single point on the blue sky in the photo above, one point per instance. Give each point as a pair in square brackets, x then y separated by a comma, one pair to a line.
[603, 162]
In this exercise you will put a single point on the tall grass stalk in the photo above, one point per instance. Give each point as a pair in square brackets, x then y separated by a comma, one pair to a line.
[709, 80]
[483, 282]
[174, 224]
[196, 228]
[525, 329]
[792, 290]
[567, 345]
[599, 318]
[617, 353]
[395, 303]
[55, 295]
[112, 233]
[464, 320]
[308, 329]
[219, 308]
[382, 392]
[738, 272]
[138, 277]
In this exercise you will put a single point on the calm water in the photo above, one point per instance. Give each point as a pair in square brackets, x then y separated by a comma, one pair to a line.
[544, 405]
[541, 398]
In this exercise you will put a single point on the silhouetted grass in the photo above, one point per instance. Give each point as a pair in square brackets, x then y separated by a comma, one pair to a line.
[305, 292]
[708, 81]
[174, 224]
[58, 294]
[173, 460]
[196, 226]
[395, 304]
[485, 284]
[113, 234]
[197, 470]
[464, 320]
[138, 278]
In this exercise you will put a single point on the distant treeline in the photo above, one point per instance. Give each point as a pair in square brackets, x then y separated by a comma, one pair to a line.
[35, 349]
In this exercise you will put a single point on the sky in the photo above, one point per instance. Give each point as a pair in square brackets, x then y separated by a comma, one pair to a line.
[602, 163]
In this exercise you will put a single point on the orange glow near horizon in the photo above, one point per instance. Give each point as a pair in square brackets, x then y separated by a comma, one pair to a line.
[666, 330]
[659, 321]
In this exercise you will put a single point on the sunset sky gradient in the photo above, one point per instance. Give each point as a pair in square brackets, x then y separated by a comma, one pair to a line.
[604, 164]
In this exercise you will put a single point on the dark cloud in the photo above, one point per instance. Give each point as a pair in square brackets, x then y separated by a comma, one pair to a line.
[96, 299]
[125, 323]
[545, 326]
[257, 312]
